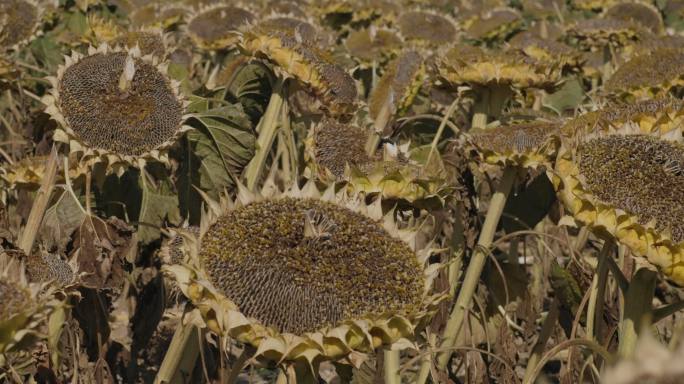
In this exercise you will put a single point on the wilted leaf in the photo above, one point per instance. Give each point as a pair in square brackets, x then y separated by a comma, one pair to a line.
[251, 87]
[528, 205]
[216, 152]
[61, 220]
[47, 52]
[566, 98]
[159, 204]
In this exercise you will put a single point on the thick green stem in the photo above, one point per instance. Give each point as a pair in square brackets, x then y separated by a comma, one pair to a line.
[477, 262]
[544, 335]
[481, 110]
[391, 366]
[181, 356]
[638, 301]
[267, 128]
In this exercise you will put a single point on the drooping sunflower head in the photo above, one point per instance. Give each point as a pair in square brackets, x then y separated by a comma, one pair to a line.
[545, 50]
[464, 64]
[218, 27]
[19, 20]
[527, 145]
[116, 106]
[150, 42]
[592, 5]
[398, 85]
[648, 75]
[333, 146]
[625, 181]
[370, 44]
[601, 32]
[24, 309]
[662, 117]
[495, 24]
[427, 28]
[304, 61]
[300, 27]
[642, 13]
[305, 277]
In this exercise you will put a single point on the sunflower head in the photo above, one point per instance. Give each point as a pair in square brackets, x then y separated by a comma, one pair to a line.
[427, 28]
[24, 309]
[545, 50]
[115, 106]
[648, 76]
[304, 61]
[150, 42]
[19, 20]
[305, 278]
[399, 85]
[591, 5]
[495, 24]
[527, 145]
[624, 179]
[642, 13]
[333, 146]
[369, 44]
[464, 64]
[218, 26]
[601, 32]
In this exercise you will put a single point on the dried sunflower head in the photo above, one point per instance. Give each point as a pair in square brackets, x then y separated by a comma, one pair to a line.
[591, 5]
[333, 146]
[24, 309]
[545, 50]
[116, 106]
[649, 75]
[372, 44]
[463, 64]
[495, 24]
[602, 32]
[526, 145]
[399, 85]
[304, 30]
[642, 13]
[218, 26]
[624, 178]
[150, 42]
[427, 28]
[19, 20]
[305, 62]
[30, 171]
[306, 277]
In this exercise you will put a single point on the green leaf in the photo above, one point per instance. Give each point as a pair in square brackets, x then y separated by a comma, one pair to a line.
[218, 150]
[159, 204]
[77, 23]
[251, 87]
[47, 52]
[528, 205]
[567, 97]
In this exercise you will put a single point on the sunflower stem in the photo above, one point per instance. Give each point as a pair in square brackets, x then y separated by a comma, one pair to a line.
[477, 262]
[540, 345]
[379, 127]
[637, 314]
[598, 287]
[238, 365]
[28, 235]
[440, 130]
[391, 366]
[267, 128]
[181, 356]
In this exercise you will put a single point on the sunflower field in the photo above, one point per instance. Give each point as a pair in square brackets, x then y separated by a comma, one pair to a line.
[342, 191]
